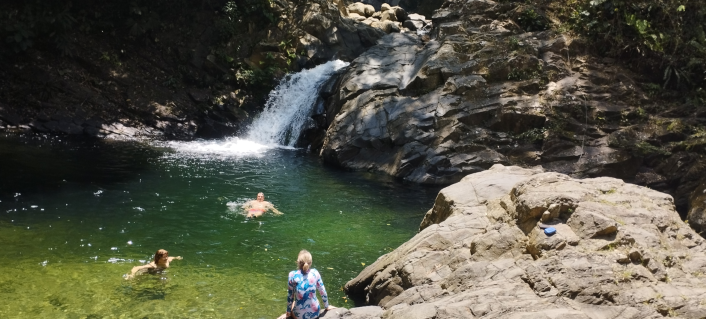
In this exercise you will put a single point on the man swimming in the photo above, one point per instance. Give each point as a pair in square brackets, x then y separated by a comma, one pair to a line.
[257, 207]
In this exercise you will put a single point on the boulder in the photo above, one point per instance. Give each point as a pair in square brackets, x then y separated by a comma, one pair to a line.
[324, 33]
[356, 17]
[416, 17]
[357, 8]
[413, 25]
[369, 10]
[400, 14]
[619, 251]
[388, 15]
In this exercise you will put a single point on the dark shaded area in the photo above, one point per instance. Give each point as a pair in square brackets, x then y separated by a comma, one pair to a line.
[39, 165]
[176, 67]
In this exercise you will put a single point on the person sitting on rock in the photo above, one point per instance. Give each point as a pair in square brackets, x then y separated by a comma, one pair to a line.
[255, 208]
[301, 290]
[160, 262]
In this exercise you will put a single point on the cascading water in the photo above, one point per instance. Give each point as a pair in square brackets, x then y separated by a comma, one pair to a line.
[280, 124]
[289, 105]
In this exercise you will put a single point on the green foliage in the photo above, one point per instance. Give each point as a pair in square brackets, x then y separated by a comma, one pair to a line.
[22, 26]
[255, 78]
[666, 35]
[535, 135]
[244, 16]
[171, 82]
[643, 148]
[112, 58]
[531, 21]
[514, 43]
[525, 74]
[289, 51]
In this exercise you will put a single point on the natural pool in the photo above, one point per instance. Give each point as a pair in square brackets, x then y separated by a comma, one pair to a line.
[77, 215]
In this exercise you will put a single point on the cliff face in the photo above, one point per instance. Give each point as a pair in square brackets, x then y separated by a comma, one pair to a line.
[485, 90]
[618, 251]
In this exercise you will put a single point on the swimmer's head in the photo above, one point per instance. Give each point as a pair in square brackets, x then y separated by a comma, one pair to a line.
[260, 197]
[159, 255]
[304, 260]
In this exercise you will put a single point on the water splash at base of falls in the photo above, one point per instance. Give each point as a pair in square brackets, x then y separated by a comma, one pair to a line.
[289, 105]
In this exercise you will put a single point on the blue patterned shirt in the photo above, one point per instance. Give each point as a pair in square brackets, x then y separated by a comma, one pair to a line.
[302, 292]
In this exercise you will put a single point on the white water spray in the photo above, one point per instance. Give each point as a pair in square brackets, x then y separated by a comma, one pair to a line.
[231, 146]
[289, 105]
[279, 125]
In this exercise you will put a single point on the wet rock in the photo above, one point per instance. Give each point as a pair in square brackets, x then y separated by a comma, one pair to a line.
[9, 117]
[38, 126]
[70, 128]
[52, 126]
[91, 131]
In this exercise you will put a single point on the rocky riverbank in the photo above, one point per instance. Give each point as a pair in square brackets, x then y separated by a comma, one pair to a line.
[491, 87]
[619, 251]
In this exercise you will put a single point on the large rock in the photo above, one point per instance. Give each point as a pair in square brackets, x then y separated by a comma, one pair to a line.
[357, 8]
[323, 33]
[485, 92]
[620, 251]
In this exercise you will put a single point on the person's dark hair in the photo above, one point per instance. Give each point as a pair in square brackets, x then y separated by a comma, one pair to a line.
[159, 254]
[304, 261]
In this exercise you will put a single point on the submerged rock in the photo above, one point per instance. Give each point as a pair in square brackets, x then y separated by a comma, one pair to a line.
[620, 251]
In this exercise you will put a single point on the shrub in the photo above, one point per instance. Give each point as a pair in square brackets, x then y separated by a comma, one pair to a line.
[664, 37]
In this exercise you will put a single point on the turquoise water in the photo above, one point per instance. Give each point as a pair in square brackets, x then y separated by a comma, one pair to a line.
[75, 216]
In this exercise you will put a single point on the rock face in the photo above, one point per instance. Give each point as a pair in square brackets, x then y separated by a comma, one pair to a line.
[484, 91]
[620, 251]
[697, 209]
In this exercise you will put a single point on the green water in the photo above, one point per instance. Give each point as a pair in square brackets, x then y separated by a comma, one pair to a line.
[69, 211]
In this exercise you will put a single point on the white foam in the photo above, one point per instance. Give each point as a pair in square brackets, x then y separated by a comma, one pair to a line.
[287, 109]
[290, 104]
[231, 146]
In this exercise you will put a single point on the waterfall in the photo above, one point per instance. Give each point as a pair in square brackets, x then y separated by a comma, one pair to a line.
[289, 105]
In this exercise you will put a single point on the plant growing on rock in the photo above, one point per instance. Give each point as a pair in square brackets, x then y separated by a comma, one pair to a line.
[531, 21]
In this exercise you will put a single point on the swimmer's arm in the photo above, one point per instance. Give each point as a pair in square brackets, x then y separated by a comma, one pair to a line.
[177, 258]
[274, 210]
[136, 270]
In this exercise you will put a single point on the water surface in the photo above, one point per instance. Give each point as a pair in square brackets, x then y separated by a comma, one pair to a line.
[75, 216]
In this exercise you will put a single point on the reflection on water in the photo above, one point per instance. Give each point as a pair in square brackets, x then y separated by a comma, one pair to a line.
[88, 211]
